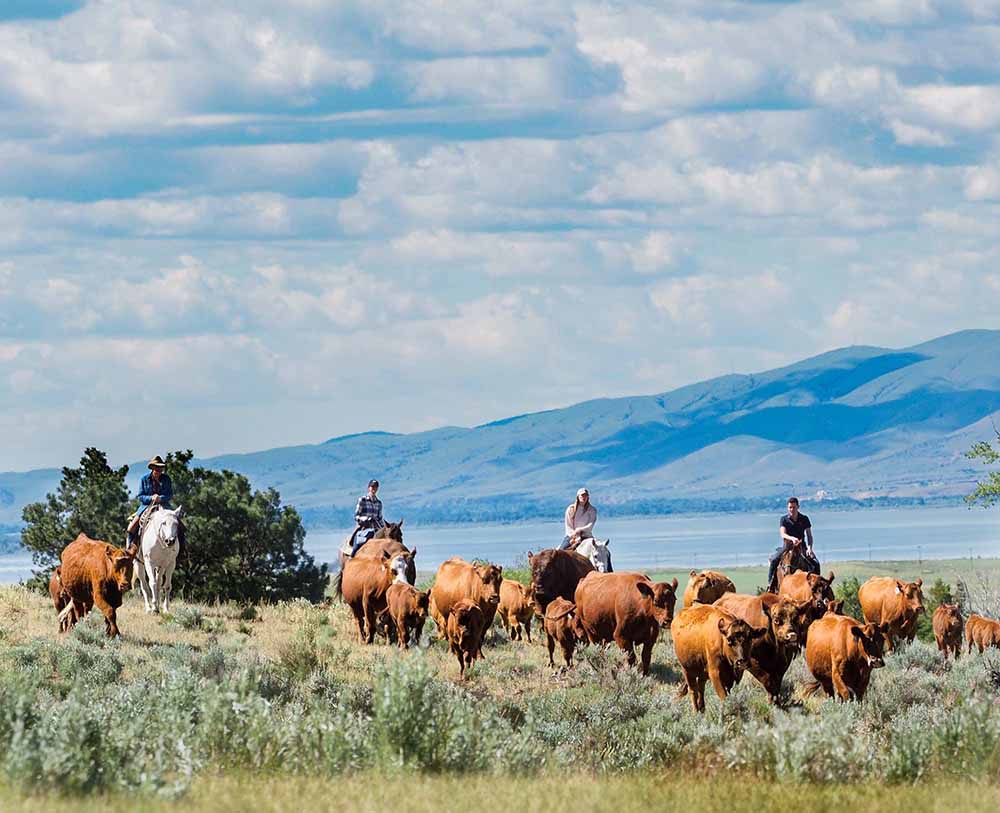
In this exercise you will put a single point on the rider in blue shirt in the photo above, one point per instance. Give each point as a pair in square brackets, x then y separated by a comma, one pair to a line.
[156, 489]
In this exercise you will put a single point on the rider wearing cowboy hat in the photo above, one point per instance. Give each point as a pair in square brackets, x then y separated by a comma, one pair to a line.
[156, 489]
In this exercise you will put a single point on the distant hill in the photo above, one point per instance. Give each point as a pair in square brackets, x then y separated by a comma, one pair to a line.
[858, 423]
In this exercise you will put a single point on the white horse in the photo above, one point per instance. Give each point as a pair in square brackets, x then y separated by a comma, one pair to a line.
[157, 558]
[597, 551]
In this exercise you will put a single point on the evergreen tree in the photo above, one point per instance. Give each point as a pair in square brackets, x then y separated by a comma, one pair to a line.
[987, 491]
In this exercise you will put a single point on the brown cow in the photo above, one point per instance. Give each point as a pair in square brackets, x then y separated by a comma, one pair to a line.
[556, 573]
[947, 624]
[706, 587]
[516, 608]
[561, 626]
[94, 573]
[802, 586]
[841, 654]
[983, 632]
[364, 585]
[406, 610]
[465, 630]
[778, 628]
[67, 612]
[456, 580]
[626, 608]
[886, 600]
[710, 644]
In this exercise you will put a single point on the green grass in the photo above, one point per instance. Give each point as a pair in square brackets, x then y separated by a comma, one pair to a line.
[572, 791]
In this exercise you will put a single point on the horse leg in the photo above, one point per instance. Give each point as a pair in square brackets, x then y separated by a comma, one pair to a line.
[144, 588]
[168, 577]
[153, 574]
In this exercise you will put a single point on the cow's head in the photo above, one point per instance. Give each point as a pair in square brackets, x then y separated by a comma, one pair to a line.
[423, 601]
[953, 617]
[737, 639]
[821, 590]
[492, 576]
[835, 607]
[912, 595]
[706, 586]
[120, 563]
[789, 620]
[396, 565]
[664, 598]
[871, 640]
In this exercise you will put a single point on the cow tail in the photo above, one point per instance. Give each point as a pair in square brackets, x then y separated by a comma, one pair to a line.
[65, 612]
[810, 688]
[682, 691]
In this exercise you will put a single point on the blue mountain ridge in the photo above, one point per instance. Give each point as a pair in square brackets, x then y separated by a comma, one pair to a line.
[852, 424]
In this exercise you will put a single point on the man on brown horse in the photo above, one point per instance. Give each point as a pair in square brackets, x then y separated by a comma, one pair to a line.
[795, 528]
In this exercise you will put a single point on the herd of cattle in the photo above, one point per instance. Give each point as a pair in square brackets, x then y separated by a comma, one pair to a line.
[718, 634]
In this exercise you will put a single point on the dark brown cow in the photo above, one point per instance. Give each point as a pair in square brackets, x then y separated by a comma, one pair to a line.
[406, 609]
[710, 644]
[516, 609]
[66, 611]
[94, 573]
[947, 625]
[562, 627]
[706, 586]
[887, 600]
[365, 583]
[778, 626]
[556, 573]
[841, 654]
[626, 608]
[465, 630]
[983, 632]
[456, 580]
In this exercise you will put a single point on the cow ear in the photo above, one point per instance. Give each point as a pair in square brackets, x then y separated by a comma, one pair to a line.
[109, 552]
[499, 570]
[723, 625]
[413, 553]
[645, 589]
[401, 521]
[920, 582]
[898, 589]
[766, 609]
[673, 584]
[530, 555]
[693, 573]
[859, 633]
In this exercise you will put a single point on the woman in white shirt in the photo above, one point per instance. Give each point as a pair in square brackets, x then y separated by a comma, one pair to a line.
[580, 519]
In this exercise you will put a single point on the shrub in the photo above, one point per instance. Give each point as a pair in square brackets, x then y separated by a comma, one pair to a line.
[847, 591]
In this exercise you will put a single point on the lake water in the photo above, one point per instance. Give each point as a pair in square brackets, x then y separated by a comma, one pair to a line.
[690, 541]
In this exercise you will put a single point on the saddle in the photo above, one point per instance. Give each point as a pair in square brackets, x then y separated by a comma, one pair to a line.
[139, 520]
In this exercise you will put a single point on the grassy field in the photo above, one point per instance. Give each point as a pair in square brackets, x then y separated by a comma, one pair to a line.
[227, 707]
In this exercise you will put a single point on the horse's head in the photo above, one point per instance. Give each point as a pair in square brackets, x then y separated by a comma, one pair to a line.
[597, 552]
[392, 530]
[168, 526]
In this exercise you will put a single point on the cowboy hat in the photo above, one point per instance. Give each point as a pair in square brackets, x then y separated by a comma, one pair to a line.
[157, 463]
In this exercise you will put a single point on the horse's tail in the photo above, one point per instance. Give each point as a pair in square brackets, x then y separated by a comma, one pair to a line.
[337, 583]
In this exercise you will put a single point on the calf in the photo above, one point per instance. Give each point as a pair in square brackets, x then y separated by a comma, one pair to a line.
[560, 626]
[706, 587]
[364, 584]
[515, 609]
[983, 632]
[406, 608]
[888, 601]
[465, 630]
[94, 573]
[67, 612]
[626, 608]
[778, 625]
[947, 624]
[457, 580]
[710, 643]
[841, 655]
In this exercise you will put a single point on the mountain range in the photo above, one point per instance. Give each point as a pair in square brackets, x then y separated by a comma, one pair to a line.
[855, 424]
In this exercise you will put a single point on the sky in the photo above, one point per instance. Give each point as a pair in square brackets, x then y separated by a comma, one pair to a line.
[243, 224]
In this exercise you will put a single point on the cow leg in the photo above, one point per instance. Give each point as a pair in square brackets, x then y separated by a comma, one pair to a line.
[842, 690]
[418, 631]
[625, 645]
[718, 680]
[647, 655]
[110, 617]
[527, 627]
[401, 633]
[698, 692]
[551, 643]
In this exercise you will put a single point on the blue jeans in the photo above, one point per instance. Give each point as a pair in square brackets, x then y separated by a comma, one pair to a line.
[360, 538]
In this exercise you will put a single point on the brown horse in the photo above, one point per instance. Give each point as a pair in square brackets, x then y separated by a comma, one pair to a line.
[791, 560]
[387, 539]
